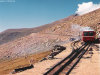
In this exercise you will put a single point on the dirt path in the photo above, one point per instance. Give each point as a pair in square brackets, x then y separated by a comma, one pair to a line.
[41, 67]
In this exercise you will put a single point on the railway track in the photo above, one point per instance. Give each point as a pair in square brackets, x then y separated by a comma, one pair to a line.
[75, 45]
[65, 66]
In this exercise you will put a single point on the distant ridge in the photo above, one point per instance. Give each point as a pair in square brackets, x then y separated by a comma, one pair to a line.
[12, 34]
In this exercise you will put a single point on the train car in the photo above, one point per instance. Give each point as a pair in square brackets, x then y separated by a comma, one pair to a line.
[88, 36]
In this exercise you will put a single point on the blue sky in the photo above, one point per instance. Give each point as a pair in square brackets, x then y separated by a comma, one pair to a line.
[33, 13]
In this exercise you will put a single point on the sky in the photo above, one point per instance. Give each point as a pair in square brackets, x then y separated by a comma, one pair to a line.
[34, 13]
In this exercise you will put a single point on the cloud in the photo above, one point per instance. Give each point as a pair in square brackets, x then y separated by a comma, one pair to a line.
[86, 7]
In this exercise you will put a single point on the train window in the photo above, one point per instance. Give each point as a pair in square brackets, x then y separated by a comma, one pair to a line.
[85, 33]
[90, 33]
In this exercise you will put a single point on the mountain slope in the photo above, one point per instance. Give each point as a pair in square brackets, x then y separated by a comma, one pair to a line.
[91, 19]
[13, 34]
[44, 40]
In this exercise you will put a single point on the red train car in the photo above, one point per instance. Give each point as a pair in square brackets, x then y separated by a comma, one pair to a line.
[88, 36]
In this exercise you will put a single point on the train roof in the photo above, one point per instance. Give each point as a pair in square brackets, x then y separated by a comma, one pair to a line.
[88, 31]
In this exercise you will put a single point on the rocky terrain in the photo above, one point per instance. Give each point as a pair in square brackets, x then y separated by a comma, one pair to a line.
[44, 37]
[91, 19]
[13, 34]
[30, 44]
[22, 42]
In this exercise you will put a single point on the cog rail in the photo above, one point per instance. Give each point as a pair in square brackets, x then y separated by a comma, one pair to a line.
[65, 66]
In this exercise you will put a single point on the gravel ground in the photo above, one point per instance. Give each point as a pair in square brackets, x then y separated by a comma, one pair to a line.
[89, 66]
[41, 67]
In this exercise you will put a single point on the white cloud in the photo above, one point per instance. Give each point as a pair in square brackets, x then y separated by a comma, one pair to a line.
[86, 7]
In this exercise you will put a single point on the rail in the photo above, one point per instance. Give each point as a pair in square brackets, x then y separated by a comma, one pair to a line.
[59, 67]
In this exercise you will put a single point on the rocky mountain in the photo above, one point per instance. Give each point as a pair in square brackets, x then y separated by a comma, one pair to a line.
[45, 38]
[12, 34]
[91, 19]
